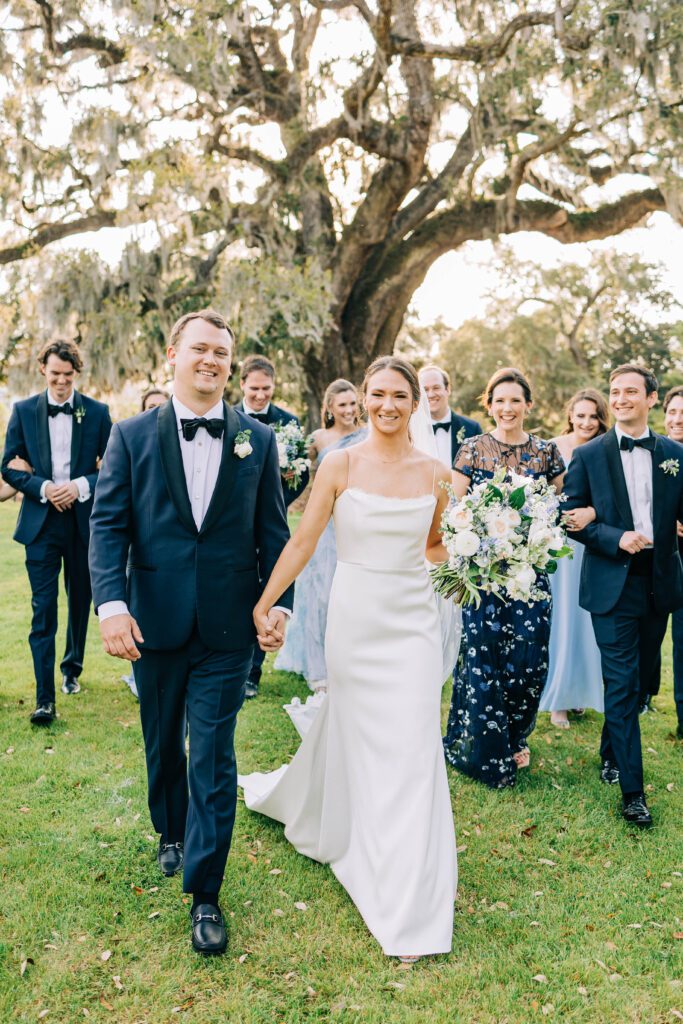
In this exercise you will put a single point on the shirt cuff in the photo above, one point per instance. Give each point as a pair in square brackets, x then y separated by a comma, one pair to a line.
[83, 488]
[111, 608]
[43, 488]
[285, 611]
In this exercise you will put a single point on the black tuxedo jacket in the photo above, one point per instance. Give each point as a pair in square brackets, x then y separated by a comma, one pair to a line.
[596, 477]
[28, 436]
[277, 415]
[462, 427]
[146, 549]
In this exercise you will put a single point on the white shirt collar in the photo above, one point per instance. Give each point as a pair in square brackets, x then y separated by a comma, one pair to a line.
[182, 412]
[255, 412]
[444, 419]
[620, 433]
[53, 401]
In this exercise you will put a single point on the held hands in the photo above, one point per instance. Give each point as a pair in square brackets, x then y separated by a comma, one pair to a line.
[679, 529]
[119, 634]
[270, 628]
[62, 496]
[579, 518]
[633, 542]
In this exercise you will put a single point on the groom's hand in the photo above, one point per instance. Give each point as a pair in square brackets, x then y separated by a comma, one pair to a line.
[633, 542]
[270, 629]
[119, 634]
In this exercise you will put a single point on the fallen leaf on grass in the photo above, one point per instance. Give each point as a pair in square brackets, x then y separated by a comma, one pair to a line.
[666, 885]
[24, 810]
[117, 982]
[677, 1014]
[460, 849]
[30, 960]
[549, 863]
[310, 992]
[49, 945]
[540, 977]
[275, 871]
[243, 957]
[184, 1006]
[43, 1013]
[248, 903]
[669, 787]
[278, 912]
[534, 924]
[528, 832]
[154, 888]
[603, 965]
[105, 1004]
[547, 1009]
[615, 977]
[137, 889]
[291, 975]
[49, 750]
[153, 915]
[301, 906]
[105, 955]
[677, 935]
[634, 926]
[610, 945]
[395, 984]
[10, 750]
[582, 990]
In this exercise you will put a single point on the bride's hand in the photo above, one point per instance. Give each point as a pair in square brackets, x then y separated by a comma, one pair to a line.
[270, 628]
[579, 518]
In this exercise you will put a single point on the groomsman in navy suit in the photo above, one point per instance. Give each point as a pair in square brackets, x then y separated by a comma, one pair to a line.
[257, 381]
[188, 519]
[632, 576]
[62, 434]
[450, 428]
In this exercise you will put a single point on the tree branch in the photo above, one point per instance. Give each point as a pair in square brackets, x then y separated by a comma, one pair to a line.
[53, 232]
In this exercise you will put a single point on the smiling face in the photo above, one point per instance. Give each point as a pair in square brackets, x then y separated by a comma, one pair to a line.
[257, 388]
[344, 408]
[437, 392]
[508, 406]
[60, 376]
[673, 419]
[585, 420]
[629, 401]
[201, 360]
[389, 402]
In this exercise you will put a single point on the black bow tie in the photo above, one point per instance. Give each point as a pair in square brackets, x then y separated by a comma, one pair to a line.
[54, 410]
[627, 444]
[440, 426]
[260, 416]
[190, 427]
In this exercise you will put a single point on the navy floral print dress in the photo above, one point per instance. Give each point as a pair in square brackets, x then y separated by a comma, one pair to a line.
[503, 661]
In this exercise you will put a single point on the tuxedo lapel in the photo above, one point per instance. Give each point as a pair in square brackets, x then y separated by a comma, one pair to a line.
[454, 436]
[659, 489]
[227, 469]
[76, 431]
[172, 464]
[618, 481]
[43, 436]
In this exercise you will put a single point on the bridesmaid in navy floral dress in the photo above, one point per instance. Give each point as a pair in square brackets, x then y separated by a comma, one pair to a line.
[503, 662]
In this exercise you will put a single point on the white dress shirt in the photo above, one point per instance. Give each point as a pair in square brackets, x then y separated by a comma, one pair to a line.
[61, 429]
[255, 412]
[443, 440]
[637, 467]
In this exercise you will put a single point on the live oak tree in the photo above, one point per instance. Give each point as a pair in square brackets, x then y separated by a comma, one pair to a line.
[303, 163]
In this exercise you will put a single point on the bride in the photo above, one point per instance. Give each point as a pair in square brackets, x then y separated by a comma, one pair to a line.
[367, 791]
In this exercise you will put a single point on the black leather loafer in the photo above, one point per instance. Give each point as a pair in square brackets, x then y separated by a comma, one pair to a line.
[251, 690]
[208, 930]
[636, 812]
[170, 858]
[70, 685]
[609, 773]
[44, 714]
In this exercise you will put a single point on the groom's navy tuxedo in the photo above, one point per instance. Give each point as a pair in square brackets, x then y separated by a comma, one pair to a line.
[53, 537]
[192, 592]
[629, 596]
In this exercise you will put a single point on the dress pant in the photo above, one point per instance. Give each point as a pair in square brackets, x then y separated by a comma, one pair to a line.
[629, 638]
[59, 542]
[204, 688]
[677, 637]
[256, 665]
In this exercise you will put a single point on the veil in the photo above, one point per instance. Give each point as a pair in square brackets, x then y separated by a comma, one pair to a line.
[421, 428]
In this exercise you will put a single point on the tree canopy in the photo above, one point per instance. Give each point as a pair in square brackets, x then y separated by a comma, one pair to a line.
[303, 163]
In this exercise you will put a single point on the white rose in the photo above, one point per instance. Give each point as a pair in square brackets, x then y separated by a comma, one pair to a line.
[541, 535]
[558, 540]
[243, 449]
[517, 480]
[525, 577]
[460, 518]
[466, 543]
[496, 526]
[504, 549]
[512, 517]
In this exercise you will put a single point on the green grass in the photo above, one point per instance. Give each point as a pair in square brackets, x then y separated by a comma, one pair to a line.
[77, 864]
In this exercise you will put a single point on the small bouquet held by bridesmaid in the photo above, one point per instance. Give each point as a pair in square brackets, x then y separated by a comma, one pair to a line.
[292, 450]
[500, 537]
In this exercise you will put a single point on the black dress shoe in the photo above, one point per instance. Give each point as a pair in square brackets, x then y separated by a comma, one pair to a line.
[170, 858]
[44, 714]
[647, 707]
[251, 690]
[609, 773]
[208, 929]
[70, 684]
[679, 731]
[635, 812]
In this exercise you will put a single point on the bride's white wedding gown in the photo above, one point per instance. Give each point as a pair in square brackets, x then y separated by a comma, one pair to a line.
[367, 791]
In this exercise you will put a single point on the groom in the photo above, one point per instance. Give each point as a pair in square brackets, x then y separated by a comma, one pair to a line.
[188, 518]
[632, 576]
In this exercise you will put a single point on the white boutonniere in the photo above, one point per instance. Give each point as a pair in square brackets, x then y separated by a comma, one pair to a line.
[243, 444]
[79, 413]
[461, 435]
[670, 467]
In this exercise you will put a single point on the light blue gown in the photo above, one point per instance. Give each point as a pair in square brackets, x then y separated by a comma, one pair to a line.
[304, 648]
[574, 673]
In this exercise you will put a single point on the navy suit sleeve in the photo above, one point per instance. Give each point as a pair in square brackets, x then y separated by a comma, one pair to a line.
[110, 523]
[599, 537]
[105, 431]
[15, 444]
[272, 532]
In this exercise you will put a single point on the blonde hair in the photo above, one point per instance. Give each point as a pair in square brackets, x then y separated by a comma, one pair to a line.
[337, 387]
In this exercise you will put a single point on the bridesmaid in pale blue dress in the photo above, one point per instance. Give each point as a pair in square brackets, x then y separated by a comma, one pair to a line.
[304, 647]
[574, 673]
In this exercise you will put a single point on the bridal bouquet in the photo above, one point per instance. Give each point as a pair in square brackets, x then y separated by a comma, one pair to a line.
[500, 537]
[292, 450]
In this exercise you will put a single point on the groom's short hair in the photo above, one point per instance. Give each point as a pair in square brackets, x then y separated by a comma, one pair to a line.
[437, 369]
[648, 376]
[211, 316]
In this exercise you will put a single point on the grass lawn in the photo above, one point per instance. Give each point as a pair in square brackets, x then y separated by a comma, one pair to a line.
[564, 914]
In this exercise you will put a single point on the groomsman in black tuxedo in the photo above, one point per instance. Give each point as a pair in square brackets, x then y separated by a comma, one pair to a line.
[62, 434]
[450, 428]
[188, 520]
[632, 576]
[257, 381]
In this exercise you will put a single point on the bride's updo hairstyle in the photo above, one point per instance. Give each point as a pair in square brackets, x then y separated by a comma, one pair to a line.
[337, 387]
[506, 375]
[401, 366]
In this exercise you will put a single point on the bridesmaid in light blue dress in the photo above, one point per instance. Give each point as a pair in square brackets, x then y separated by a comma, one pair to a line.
[304, 648]
[575, 673]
